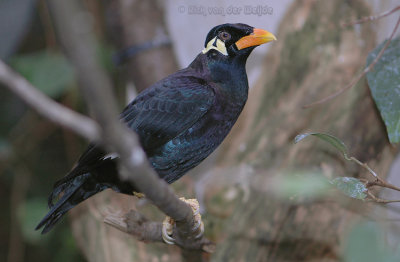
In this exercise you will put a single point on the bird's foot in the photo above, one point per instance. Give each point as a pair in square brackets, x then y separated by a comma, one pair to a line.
[169, 223]
[139, 195]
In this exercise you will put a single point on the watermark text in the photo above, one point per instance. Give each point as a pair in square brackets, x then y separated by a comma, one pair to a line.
[202, 10]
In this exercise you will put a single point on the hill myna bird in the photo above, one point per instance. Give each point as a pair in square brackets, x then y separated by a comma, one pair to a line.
[180, 120]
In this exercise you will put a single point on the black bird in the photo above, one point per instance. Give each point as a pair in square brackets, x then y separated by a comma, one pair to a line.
[180, 120]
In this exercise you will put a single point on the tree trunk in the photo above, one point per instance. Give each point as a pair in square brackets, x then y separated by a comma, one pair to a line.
[141, 23]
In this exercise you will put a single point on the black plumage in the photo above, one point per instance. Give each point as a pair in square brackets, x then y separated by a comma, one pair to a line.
[180, 120]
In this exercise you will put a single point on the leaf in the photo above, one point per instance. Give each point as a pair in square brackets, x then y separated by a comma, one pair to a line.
[300, 184]
[48, 71]
[384, 83]
[351, 187]
[334, 141]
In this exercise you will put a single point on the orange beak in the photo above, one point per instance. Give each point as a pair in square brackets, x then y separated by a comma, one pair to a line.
[258, 37]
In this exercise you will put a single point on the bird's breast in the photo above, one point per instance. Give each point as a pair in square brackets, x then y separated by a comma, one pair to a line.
[192, 146]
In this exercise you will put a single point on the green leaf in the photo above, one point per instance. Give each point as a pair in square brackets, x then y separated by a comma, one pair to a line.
[48, 71]
[384, 82]
[334, 141]
[300, 184]
[351, 187]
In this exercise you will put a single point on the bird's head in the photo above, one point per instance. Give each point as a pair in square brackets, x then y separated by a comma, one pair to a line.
[234, 40]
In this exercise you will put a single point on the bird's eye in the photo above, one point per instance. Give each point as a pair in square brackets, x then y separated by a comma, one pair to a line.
[224, 36]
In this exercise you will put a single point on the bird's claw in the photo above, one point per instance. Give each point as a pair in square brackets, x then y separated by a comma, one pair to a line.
[167, 229]
[200, 234]
[139, 195]
[169, 223]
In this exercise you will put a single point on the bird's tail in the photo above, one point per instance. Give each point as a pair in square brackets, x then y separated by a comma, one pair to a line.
[74, 191]
[78, 186]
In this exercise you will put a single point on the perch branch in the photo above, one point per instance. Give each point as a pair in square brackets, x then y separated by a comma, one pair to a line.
[360, 75]
[76, 34]
[136, 224]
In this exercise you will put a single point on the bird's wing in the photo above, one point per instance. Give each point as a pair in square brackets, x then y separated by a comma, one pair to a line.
[160, 113]
[167, 109]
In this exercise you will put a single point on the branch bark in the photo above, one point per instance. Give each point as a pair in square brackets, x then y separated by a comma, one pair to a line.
[136, 224]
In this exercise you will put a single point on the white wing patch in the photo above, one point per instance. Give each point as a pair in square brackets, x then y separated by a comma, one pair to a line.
[110, 156]
[216, 44]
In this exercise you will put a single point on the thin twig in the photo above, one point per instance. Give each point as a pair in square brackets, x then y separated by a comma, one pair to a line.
[379, 181]
[382, 184]
[380, 200]
[360, 75]
[372, 172]
[372, 18]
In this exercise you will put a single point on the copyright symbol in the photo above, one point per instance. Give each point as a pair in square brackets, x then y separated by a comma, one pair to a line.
[181, 9]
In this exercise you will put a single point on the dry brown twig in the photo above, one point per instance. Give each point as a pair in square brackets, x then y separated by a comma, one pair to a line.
[380, 200]
[372, 18]
[366, 70]
[378, 182]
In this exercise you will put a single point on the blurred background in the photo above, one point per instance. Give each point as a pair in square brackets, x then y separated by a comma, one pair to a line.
[140, 42]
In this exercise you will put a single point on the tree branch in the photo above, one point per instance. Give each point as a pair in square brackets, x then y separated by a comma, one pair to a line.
[47, 107]
[134, 223]
[372, 17]
[75, 32]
